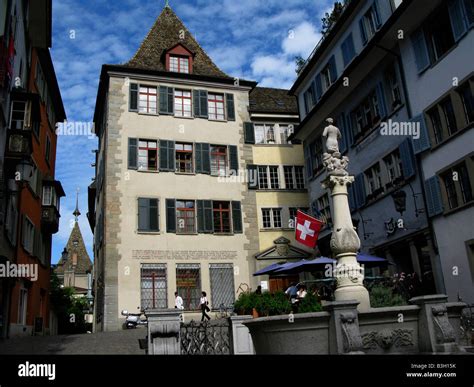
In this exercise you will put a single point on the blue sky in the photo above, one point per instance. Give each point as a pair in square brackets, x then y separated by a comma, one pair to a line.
[251, 39]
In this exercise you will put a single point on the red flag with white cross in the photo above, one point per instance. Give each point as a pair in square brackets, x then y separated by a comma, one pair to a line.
[307, 229]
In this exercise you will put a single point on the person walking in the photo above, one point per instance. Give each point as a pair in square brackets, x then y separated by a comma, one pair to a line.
[178, 301]
[204, 305]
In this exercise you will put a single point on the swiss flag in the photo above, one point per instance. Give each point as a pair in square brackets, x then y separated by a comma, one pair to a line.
[307, 229]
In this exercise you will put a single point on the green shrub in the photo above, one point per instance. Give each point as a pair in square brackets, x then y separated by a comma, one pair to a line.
[273, 304]
[382, 296]
[309, 304]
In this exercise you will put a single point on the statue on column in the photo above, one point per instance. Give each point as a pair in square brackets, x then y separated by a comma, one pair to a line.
[335, 165]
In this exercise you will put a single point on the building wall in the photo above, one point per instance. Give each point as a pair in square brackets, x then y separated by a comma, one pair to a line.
[125, 248]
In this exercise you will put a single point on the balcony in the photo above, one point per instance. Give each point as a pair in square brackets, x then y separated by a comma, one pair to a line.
[50, 219]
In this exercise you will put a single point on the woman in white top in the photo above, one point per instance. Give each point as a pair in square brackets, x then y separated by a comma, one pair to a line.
[203, 304]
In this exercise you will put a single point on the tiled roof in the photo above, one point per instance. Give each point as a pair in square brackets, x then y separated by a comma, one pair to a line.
[84, 263]
[268, 100]
[164, 35]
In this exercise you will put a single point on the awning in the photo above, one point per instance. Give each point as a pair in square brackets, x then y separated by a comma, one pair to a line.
[305, 266]
[370, 260]
[272, 268]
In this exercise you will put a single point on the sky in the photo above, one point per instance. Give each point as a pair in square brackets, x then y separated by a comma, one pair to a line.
[250, 39]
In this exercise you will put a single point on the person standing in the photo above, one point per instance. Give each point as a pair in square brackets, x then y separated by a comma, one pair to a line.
[204, 305]
[178, 301]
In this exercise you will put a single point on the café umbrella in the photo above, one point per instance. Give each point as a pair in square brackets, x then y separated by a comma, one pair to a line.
[306, 266]
[272, 268]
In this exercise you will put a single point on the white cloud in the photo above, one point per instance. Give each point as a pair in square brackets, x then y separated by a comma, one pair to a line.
[301, 40]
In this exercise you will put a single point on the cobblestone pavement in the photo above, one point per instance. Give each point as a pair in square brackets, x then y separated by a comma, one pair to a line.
[123, 342]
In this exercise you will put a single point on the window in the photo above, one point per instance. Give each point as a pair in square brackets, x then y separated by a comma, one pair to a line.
[148, 215]
[147, 155]
[49, 196]
[467, 101]
[185, 217]
[18, 118]
[182, 103]
[222, 284]
[218, 160]
[22, 305]
[179, 64]
[221, 216]
[48, 149]
[393, 165]
[439, 34]
[316, 151]
[294, 177]
[285, 132]
[394, 87]
[370, 23]
[309, 99]
[435, 119]
[264, 134]
[262, 177]
[28, 235]
[188, 284]
[326, 78]
[366, 115]
[153, 285]
[325, 209]
[458, 185]
[449, 116]
[271, 217]
[374, 180]
[293, 212]
[147, 100]
[274, 178]
[184, 158]
[216, 107]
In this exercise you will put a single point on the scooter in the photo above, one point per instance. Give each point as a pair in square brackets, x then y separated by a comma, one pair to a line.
[134, 319]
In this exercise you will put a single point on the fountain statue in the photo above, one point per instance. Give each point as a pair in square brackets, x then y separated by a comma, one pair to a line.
[345, 242]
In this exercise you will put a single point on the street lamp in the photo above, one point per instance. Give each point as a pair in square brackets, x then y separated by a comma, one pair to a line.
[400, 201]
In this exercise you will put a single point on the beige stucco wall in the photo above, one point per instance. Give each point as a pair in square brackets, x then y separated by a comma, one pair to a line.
[134, 248]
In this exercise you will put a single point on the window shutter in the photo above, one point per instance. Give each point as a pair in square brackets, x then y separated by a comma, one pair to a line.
[381, 100]
[350, 134]
[348, 50]
[408, 158]
[469, 9]
[420, 50]
[434, 200]
[132, 153]
[143, 214]
[363, 33]
[378, 19]
[308, 163]
[230, 107]
[249, 133]
[350, 192]
[423, 142]
[359, 191]
[456, 15]
[133, 107]
[171, 215]
[342, 127]
[166, 100]
[208, 217]
[252, 176]
[167, 156]
[198, 157]
[237, 217]
[319, 87]
[200, 103]
[203, 161]
[234, 159]
[333, 69]
[197, 105]
[200, 216]
[313, 92]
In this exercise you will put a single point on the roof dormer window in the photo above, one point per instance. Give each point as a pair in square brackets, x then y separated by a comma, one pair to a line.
[179, 64]
[179, 60]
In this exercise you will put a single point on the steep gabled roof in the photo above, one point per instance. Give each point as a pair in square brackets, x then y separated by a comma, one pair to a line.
[269, 100]
[84, 263]
[165, 34]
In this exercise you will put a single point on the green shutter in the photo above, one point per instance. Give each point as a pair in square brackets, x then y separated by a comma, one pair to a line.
[200, 103]
[252, 177]
[208, 218]
[237, 217]
[166, 100]
[200, 216]
[143, 214]
[196, 103]
[249, 133]
[133, 106]
[230, 107]
[408, 158]
[171, 215]
[167, 156]
[132, 153]
[206, 158]
[234, 159]
[198, 157]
